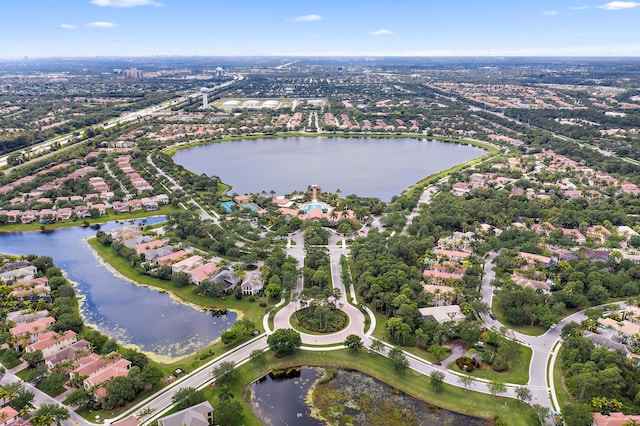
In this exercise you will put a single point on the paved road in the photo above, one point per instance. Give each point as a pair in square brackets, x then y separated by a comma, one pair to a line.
[175, 186]
[337, 247]
[124, 118]
[42, 398]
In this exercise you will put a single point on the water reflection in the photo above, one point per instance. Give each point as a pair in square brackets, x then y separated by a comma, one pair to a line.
[369, 167]
[133, 315]
[314, 396]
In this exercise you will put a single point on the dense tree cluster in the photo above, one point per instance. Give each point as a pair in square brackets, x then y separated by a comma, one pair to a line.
[596, 372]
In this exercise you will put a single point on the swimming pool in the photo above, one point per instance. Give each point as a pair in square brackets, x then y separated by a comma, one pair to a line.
[312, 206]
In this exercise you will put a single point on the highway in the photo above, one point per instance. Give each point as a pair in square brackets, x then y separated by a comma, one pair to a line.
[43, 147]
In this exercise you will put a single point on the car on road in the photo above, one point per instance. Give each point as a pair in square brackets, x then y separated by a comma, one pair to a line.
[493, 317]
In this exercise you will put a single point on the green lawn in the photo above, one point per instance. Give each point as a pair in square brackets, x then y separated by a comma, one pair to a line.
[517, 373]
[564, 398]
[417, 385]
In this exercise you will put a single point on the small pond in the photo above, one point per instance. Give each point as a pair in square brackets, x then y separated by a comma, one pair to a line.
[309, 397]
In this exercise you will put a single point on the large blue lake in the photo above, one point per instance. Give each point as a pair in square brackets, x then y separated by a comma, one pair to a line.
[364, 166]
[133, 315]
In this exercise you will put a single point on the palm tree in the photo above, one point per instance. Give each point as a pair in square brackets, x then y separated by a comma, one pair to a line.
[225, 393]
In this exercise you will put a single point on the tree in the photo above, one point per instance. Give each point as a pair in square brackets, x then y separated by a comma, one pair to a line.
[150, 374]
[224, 393]
[224, 372]
[523, 393]
[273, 291]
[187, 397]
[577, 415]
[466, 381]
[353, 342]
[51, 413]
[228, 412]
[19, 397]
[78, 398]
[437, 351]
[399, 361]
[377, 345]
[258, 356]
[542, 413]
[496, 387]
[284, 341]
[33, 358]
[120, 390]
[436, 378]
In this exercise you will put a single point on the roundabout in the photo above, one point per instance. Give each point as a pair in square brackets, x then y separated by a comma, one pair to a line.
[356, 319]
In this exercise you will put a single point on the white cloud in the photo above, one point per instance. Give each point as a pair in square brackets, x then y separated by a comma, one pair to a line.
[125, 3]
[550, 12]
[580, 7]
[307, 18]
[381, 31]
[101, 25]
[619, 5]
[68, 26]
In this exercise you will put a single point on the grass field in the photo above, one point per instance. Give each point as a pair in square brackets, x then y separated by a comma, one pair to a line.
[517, 373]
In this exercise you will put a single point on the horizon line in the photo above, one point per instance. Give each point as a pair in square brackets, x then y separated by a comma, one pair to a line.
[555, 56]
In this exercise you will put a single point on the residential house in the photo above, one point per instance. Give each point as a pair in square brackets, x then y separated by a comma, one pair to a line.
[64, 213]
[29, 216]
[144, 247]
[599, 255]
[202, 273]
[32, 329]
[608, 341]
[241, 199]
[228, 278]
[172, 257]
[614, 419]
[119, 368]
[73, 352]
[440, 276]
[535, 259]
[197, 415]
[543, 286]
[625, 329]
[451, 254]
[25, 316]
[162, 199]
[24, 273]
[574, 235]
[135, 240]
[187, 264]
[599, 233]
[52, 342]
[442, 294]
[149, 203]
[443, 314]
[8, 415]
[152, 256]
[251, 284]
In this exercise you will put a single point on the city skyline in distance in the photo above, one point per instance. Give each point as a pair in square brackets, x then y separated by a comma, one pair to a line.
[89, 28]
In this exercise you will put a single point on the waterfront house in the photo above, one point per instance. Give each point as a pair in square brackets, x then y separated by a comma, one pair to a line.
[197, 415]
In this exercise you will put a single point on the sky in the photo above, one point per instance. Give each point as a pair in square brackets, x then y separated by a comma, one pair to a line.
[87, 28]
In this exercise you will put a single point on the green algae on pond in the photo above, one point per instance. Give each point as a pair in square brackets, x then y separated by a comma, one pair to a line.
[343, 398]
